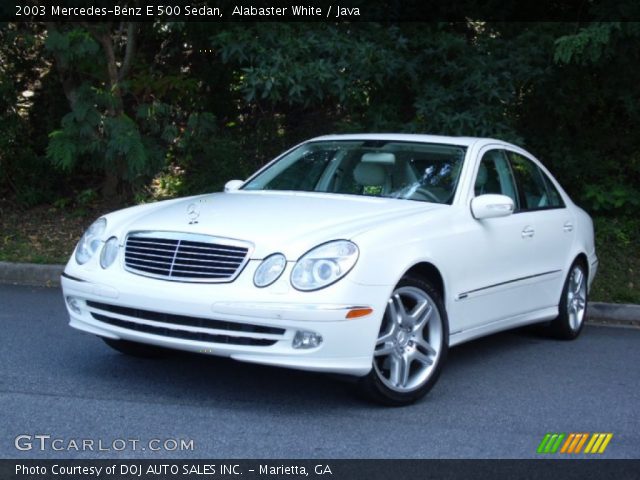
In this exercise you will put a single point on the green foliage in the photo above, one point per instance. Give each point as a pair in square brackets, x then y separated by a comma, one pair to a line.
[618, 244]
[90, 135]
[73, 46]
[182, 120]
[589, 45]
[612, 198]
[203, 103]
[208, 158]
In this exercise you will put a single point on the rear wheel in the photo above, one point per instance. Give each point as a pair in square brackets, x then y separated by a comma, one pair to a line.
[573, 304]
[411, 346]
[136, 349]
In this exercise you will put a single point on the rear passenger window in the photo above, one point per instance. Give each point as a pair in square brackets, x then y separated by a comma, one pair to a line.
[555, 200]
[535, 190]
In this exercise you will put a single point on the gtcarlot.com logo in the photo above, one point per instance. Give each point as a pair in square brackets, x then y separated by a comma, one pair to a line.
[575, 443]
[43, 442]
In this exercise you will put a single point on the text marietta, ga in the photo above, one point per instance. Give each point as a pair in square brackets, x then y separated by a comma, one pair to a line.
[165, 469]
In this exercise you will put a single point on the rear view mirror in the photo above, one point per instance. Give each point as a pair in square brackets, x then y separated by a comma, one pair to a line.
[233, 185]
[491, 206]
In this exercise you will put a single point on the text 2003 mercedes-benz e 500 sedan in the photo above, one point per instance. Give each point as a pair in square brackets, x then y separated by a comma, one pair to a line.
[365, 255]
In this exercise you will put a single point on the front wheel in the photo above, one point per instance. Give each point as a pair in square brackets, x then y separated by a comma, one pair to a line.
[573, 305]
[411, 347]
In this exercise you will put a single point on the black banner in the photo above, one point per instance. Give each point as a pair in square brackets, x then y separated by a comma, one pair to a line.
[317, 469]
[318, 10]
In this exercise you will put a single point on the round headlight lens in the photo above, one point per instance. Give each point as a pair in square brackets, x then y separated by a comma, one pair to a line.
[109, 252]
[324, 265]
[90, 241]
[269, 270]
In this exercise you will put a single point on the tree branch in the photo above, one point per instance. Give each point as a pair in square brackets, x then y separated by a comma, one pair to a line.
[68, 85]
[129, 52]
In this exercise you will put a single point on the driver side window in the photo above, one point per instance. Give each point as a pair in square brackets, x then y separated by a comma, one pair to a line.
[494, 176]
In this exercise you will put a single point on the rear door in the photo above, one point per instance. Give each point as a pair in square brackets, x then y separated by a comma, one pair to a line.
[548, 224]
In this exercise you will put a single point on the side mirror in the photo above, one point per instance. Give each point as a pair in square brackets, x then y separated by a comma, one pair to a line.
[491, 206]
[233, 185]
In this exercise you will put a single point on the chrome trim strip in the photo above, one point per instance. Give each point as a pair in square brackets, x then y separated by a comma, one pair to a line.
[464, 295]
[275, 306]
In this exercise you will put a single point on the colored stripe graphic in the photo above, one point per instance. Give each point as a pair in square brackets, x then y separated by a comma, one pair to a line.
[598, 442]
[550, 443]
[573, 443]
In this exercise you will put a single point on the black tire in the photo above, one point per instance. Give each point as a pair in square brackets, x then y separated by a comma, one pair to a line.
[375, 389]
[562, 327]
[135, 349]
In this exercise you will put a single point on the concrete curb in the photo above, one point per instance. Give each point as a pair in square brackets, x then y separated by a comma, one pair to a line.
[620, 312]
[32, 274]
[49, 276]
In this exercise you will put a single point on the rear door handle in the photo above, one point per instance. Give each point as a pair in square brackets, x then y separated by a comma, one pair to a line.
[528, 232]
[568, 226]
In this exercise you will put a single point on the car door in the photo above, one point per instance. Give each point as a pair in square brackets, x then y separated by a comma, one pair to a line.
[549, 225]
[491, 270]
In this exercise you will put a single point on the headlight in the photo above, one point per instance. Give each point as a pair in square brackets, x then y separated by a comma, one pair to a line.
[324, 265]
[269, 270]
[109, 252]
[90, 241]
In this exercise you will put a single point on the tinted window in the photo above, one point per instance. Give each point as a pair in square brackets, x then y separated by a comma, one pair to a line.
[555, 200]
[303, 174]
[414, 171]
[494, 176]
[533, 188]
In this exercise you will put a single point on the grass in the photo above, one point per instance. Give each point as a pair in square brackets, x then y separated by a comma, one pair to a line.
[47, 234]
[42, 234]
[618, 247]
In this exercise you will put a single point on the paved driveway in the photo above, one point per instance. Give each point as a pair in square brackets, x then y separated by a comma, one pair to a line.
[496, 398]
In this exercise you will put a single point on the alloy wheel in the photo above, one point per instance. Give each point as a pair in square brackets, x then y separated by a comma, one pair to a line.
[576, 297]
[410, 340]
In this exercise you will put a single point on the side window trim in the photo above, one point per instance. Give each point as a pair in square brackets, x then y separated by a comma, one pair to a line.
[552, 188]
[511, 178]
[545, 180]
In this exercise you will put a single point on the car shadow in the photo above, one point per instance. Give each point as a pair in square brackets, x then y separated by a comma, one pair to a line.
[204, 380]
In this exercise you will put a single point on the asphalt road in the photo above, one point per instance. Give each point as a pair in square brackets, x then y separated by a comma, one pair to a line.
[497, 397]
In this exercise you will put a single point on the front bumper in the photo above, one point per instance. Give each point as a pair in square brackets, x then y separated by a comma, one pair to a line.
[234, 320]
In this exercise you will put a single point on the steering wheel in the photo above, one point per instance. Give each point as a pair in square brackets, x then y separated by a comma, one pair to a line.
[425, 194]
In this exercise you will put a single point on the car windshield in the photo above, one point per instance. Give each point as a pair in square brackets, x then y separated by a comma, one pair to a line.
[414, 171]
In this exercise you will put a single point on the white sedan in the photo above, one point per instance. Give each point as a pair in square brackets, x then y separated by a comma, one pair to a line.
[365, 255]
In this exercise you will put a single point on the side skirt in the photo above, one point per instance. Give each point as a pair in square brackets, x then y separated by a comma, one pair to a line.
[529, 318]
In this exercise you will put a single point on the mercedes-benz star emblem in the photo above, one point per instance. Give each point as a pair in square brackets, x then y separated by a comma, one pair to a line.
[193, 213]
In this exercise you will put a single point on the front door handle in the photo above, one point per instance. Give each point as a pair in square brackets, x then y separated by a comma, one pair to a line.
[528, 232]
[568, 226]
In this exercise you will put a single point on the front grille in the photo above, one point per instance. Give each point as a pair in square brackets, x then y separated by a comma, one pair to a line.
[185, 257]
[168, 325]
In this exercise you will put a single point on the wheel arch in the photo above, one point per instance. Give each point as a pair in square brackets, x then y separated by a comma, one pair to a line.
[429, 272]
[582, 258]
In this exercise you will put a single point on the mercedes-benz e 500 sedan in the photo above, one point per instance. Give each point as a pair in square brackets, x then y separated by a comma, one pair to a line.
[365, 255]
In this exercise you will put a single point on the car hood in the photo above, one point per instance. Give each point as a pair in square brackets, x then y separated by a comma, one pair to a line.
[287, 222]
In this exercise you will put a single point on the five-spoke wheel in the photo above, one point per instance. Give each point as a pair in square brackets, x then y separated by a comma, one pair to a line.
[573, 304]
[411, 344]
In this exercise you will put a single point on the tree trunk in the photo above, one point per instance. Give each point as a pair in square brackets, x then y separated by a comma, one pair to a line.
[115, 186]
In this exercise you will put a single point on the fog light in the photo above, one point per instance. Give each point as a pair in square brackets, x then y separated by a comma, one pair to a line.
[305, 340]
[74, 305]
